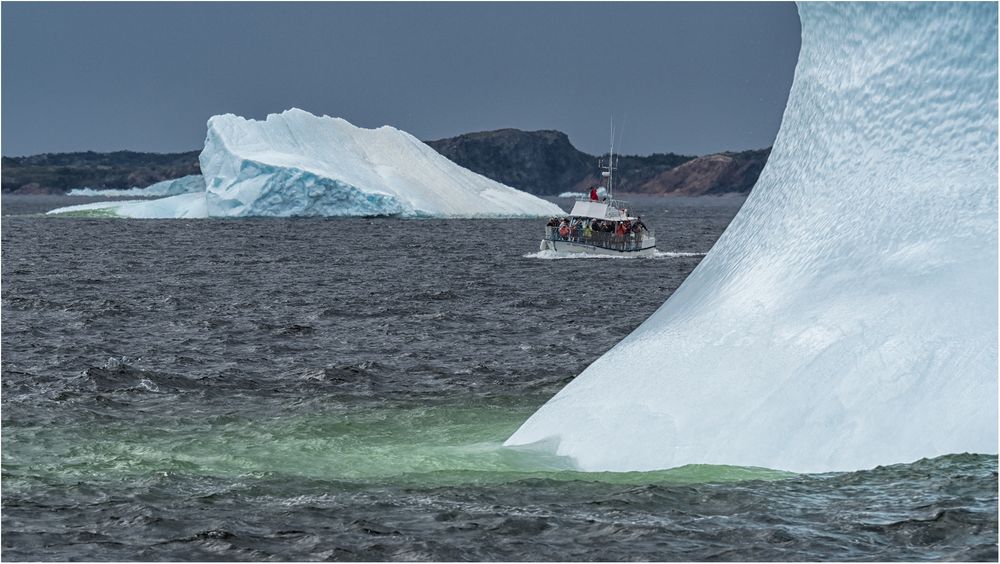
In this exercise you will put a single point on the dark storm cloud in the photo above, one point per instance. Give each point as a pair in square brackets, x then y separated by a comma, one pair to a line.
[685, 77]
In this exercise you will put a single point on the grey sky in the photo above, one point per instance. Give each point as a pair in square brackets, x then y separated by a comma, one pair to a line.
[685, 77]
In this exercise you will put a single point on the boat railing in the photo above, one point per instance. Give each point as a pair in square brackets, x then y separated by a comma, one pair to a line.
[620, 204]
[629, 242]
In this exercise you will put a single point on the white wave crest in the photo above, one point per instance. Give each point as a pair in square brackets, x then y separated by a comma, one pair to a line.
[557, 255]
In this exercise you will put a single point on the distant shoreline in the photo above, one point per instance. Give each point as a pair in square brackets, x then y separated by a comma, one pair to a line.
[543, 163]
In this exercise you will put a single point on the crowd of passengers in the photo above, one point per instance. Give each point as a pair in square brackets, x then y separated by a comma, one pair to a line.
[623, 235]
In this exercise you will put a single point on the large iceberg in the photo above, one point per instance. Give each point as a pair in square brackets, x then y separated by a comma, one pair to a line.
[848, 316]
[298, 164]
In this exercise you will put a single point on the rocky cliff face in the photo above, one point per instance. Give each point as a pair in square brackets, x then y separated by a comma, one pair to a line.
[721, 173]
[539, 162]
[633, 172]
[546, 163]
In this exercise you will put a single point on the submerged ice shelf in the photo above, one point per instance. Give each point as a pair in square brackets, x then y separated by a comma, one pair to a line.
[298, 164]
[848, 316]
[183, 185]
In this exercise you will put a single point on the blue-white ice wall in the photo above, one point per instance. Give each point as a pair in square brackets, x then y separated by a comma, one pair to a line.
[848, 316]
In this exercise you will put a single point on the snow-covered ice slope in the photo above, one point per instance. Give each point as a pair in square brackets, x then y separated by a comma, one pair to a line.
[295, 163]
[848, 316]
[183, 185]
[298, 164]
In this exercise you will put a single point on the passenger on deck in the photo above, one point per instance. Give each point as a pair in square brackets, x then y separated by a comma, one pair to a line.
[588, 231]
[564, 230]
[552, 228]
[593, 193]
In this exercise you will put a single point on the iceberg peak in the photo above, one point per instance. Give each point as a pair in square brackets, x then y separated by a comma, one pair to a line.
[296, 163]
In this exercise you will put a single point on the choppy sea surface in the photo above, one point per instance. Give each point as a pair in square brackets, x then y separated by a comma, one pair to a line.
[329, 389]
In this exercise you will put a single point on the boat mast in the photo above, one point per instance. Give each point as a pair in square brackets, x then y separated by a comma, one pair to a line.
[608, 169]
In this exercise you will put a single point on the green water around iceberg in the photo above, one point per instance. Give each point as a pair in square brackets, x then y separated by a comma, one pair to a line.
[439, 445]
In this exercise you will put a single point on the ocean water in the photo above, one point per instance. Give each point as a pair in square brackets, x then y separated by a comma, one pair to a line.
[339, 390]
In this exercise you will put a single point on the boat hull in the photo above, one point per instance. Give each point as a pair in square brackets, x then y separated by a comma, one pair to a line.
[582, 248]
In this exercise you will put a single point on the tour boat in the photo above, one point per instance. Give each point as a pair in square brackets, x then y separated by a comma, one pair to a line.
[599, 224]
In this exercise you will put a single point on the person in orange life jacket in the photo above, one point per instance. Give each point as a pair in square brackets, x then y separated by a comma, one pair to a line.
[564, 230]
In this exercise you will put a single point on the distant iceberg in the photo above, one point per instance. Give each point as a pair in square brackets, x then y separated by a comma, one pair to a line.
[183, 185]
[298, 164]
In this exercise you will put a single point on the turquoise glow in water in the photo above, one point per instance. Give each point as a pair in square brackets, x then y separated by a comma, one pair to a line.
[426, 445]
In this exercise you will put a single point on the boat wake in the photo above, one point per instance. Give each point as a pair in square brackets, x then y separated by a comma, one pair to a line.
[558, 255]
